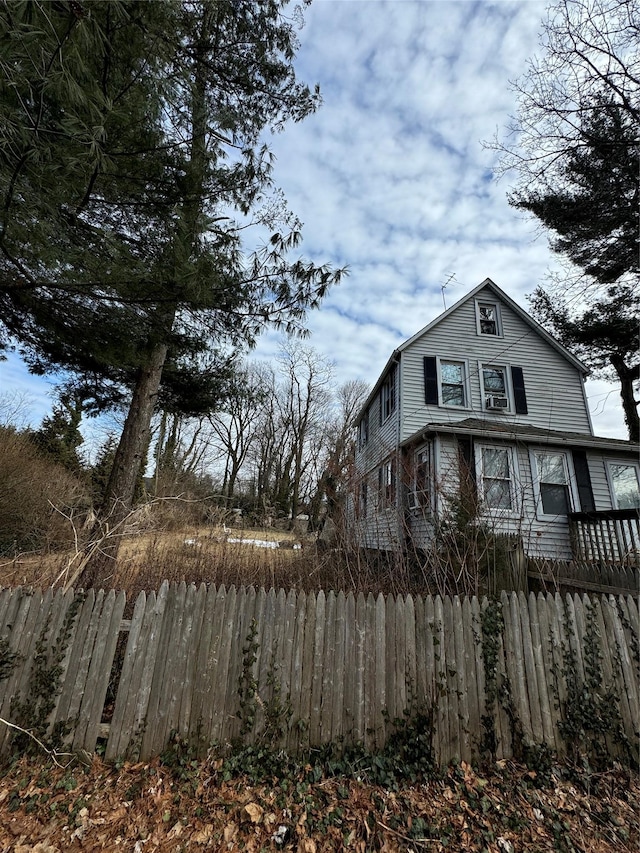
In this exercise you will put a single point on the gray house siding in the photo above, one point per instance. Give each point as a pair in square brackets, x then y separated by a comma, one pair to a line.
[553, 386]
[383, 433]
[379, 526]
[543, 538]
[545, 417]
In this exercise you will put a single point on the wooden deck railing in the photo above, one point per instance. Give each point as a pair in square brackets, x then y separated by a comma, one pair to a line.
[609, 536]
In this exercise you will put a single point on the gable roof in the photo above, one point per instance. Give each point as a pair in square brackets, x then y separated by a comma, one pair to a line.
[521, 313]
[500, 294]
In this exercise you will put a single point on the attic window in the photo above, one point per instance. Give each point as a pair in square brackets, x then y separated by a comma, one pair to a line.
[488, 321]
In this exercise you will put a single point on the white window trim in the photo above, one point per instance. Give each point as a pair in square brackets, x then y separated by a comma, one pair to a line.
[516, 498]
[508, 386]
[574, 498]
[608, 464]
[496, 306]
[467, 388]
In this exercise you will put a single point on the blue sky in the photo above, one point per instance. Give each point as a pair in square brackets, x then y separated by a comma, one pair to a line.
[390, 177]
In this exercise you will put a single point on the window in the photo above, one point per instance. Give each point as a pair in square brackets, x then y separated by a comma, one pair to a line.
[363, 430]
[495, 388]
[387, 483]
[453, 383]
[421, 496]
[553, 482]
[488, 320]
[496, 471]
[388, 395]
[624, 478]
[362, 499]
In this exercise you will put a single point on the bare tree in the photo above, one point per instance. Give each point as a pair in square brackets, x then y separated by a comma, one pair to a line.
[14, 409]
[589, 57]
[183, 451]
[263, 457]
[574, 147]
[235, 430]
[304, 409]
[332, 481]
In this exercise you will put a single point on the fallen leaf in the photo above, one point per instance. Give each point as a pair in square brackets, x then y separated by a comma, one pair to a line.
[38, 848]
[254, 811]
[202, 836]
[230, 832]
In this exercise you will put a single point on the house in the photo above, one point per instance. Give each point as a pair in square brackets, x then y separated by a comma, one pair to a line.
[484, 400]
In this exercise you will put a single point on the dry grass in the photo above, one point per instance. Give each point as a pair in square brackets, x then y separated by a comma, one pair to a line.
[207, 555]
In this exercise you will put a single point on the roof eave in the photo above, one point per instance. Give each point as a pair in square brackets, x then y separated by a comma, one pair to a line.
[556, 438]
[393, 359]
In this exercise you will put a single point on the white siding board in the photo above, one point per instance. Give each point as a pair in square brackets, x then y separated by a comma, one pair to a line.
[447, 462]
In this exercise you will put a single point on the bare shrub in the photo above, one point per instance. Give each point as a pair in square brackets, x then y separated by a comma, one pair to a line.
[37, 498]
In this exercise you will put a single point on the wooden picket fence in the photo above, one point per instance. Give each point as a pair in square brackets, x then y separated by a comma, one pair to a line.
[591, 577]
[338, 667]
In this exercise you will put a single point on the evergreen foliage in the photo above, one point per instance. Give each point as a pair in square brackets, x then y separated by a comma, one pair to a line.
[59, 436]
[592, 203]
[605, 336]
[574, 148]
[133, 161]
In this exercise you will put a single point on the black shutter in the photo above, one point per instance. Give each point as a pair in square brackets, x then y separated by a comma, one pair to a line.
[430, 381]
[467, 463]
[519, 395]
[583, 480]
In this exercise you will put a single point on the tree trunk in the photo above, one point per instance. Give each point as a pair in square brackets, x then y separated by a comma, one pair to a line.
[134, 441]
[129, 458]
[627, 376]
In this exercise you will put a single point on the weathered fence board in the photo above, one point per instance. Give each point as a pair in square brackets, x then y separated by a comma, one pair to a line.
[459, 677]
[97, 681]
[598, 576]
[338, 667]
[72, 636]
[471, 676]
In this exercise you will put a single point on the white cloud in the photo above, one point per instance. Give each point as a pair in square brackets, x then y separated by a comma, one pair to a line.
[390, 176]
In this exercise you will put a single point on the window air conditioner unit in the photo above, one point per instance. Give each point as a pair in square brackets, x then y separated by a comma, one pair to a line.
[497, 403]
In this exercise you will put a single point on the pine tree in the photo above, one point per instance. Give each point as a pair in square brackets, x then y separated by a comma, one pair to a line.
[605, 337]
[136, 276]
[574, 147]
[59, 435]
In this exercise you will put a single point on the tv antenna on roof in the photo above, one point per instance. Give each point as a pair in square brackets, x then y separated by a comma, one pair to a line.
[452, 276]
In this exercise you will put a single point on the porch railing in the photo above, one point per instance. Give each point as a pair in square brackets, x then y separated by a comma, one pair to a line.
[608, 536]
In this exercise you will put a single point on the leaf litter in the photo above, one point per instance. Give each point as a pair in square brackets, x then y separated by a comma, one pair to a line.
[151, 808]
